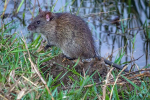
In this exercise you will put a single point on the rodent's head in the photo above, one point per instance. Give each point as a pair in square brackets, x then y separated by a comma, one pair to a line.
[40, 21]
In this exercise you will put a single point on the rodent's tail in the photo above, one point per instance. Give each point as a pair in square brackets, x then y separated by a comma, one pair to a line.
[113, 64]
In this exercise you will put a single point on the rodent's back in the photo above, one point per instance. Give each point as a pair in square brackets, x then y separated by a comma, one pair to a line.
[77, 37]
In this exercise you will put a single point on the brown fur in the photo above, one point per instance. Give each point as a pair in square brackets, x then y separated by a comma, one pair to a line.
[68, 32]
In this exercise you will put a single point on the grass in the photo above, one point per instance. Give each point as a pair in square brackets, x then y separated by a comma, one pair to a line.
[21, 76]
[19, 80]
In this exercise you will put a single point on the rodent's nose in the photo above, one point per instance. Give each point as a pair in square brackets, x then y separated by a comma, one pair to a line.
[31, 27]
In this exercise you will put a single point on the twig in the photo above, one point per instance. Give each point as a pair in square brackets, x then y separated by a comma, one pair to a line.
[43, 81]
[5, 6]
[38, 3]
[146, 69]
[3, 97]
[139, 75]
[106, 81]
[119, 82]
[29, 81]
[135, 59]
[116, 82]
[36, 69]
[95, 14]
[33, 8]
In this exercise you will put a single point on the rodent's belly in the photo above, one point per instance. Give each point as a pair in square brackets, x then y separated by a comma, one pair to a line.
[66, 53]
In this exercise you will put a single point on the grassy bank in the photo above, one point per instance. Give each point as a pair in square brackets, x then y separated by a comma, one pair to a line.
[20, 77]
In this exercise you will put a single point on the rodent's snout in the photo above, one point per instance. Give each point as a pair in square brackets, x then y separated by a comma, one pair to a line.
[31, 27]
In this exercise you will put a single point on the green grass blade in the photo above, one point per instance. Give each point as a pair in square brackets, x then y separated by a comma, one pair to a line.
[20, 5]
[131, 82]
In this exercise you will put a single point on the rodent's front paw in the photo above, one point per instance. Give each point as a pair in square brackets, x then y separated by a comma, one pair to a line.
[47, 46]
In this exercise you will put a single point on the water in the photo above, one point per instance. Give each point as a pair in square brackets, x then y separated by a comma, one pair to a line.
[111, 40]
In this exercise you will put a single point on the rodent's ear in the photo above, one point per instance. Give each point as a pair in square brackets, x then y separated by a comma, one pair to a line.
[40, 10]
[49, 16]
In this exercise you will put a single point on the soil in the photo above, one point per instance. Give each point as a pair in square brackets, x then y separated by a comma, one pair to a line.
[70, 68]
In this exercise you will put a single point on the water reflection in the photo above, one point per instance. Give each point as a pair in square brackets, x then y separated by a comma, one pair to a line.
[112, 38]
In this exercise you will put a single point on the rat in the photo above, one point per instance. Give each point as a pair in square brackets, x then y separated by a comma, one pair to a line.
[68, 32]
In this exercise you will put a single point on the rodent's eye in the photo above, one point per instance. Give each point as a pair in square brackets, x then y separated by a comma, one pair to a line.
[38, 22]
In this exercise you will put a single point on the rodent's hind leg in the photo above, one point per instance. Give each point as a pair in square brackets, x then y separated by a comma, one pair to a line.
[69, 58]
[74, 60]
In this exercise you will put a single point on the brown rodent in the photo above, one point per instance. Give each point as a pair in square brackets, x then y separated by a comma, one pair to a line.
[68, 32]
